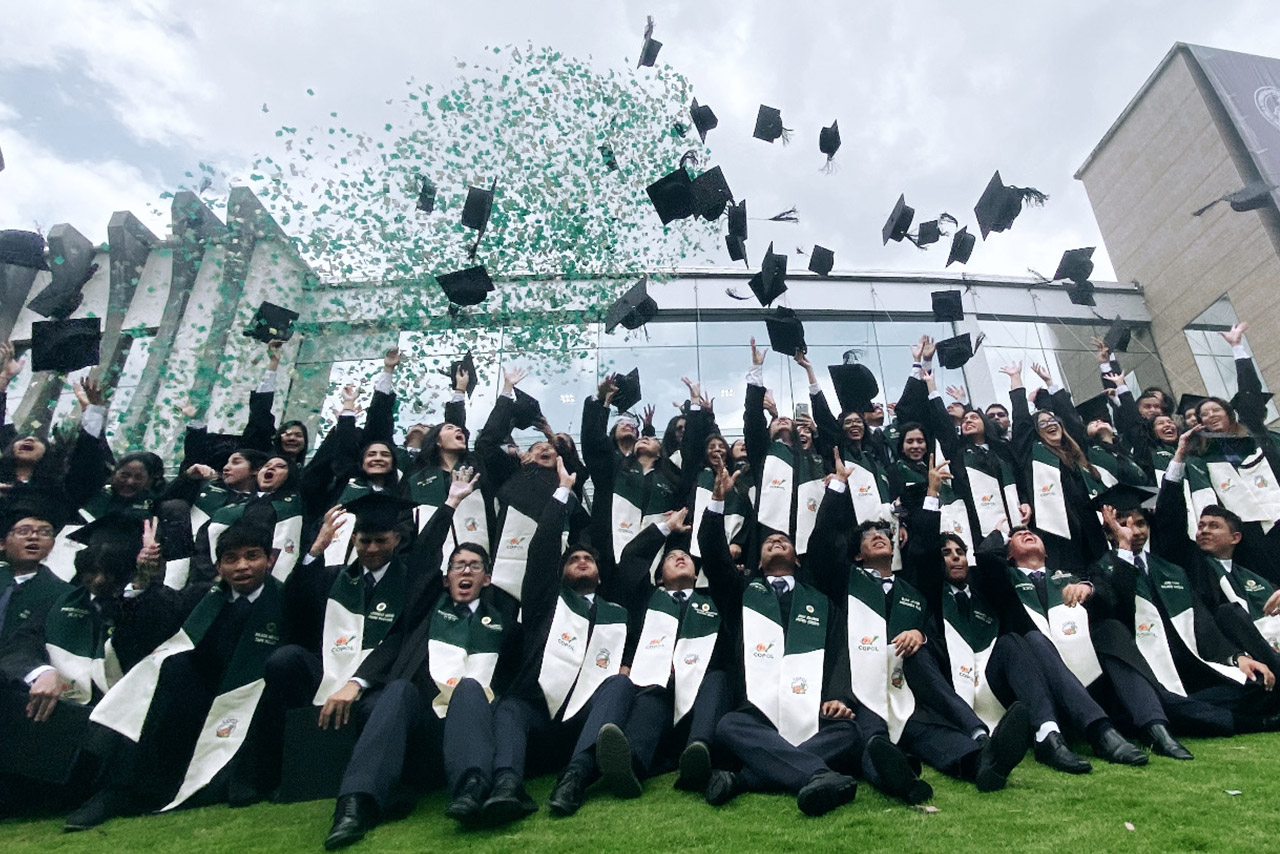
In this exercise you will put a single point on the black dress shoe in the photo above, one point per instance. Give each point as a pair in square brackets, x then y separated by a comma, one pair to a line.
[353, 817]
[1111, 746]
[509, 801]
[103, 806]
[1004, 749]
[617, 768]
[695, 768]
[897, 778]
[1053, 751]
[825, 791]
[722, 787]
[570, 792]
[468, 801]
[1163, 742]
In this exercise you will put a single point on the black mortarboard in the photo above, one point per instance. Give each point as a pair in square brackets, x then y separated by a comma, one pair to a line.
[38, 502]
[22, 249]
[427, 196]
[479, 204]
[786, 332]
[649, 49]
[607, 155]
[929, 233]
[1118, 336]
[1076, 265]
[736, 239]
[672, 196]
[64, 294]
[46, 751]
[469, 364]
[113, 526]
[770, 283]
[271, 323]
[710, 194]
[947, 306]
[466, 287]
[913, 495]
[1251, 197]
[821, 260]
[633, 309]
[956, 352]
[1000, 205]
[378, 511]
[855, 386]
[1096, 408]
[703, 118]
[314, 758]
[1189, 401]
[768, 124]
[829, 140]
[1080, 293]
[628, 394]
[962, 243]
[737, 248]
[1125, 497]
[899, 222]
[65, 345]
[526, 412]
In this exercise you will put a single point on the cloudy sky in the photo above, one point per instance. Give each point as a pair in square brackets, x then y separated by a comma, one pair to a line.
[105, 104]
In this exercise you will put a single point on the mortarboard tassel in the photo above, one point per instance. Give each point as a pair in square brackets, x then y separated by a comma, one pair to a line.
[946, 217]
[789, 215]
[1030, 195]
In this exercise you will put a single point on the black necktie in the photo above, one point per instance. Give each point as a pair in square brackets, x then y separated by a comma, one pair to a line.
[1037, 578]
[962, 603]
[229, 632]
[780, 587]
[682, 599]
[5, 596]
[462, 609]
[1139, 562]
[370, 584]
[784, 601]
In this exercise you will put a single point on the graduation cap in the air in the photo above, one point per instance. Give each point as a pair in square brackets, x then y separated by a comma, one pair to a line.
[610, 161]
[855, 386]
[821, 260]
[526, 412]
[649, 49]
[271, 323]
[711, 194]
[476, 211]
[829, 143]
[899, 221]
[1251, 197]
[929, 233]
[769, 125]
[65, 345]
[672, 196]
[947, 306]
[703, 119]
[786, 332]
[1190, 401]
[771, 282]
[633, 309]
[962, 243]
[1118, 336]
[1000, 204]
[628, 393]
[1076, 265]
[736, 239]
[378, 511]
[466, 287]
[1096, 408]
[1125, 497]
[468, 364]
[956, 352]
[427, 196]
[22, 249]
[1080, 293]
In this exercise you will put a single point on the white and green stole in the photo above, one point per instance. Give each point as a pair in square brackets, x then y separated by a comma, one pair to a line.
[670, 647]
[878, 680]
[429, 488]
[460, 649]
[777, 478]
[735, 514]
[1066, 627]
[784, 670]
[811, 484]
[124, 708]
[578, 657]
[511, 551]
[211, 499]
[994, 499]
[631, 511]
[1046, 487]
[1168, 582]
[81, 658]
[1249, 490]
[285, 537]
[1251, 592]
[350, 631]
[970, 641]
[868, 490]
[954, 513]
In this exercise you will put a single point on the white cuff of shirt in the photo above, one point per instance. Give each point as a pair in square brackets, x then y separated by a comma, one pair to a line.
[131, 592]
[716, 506]
[932, 502]
[1105, 367]
[1125, 555]
[916, 370]
[37, 673]
[383, 382]
[755, 376]
[1121, 388]
[664, 528]
[935, 395]
[1176, 471]
[510, 395]
[693, 407]
[308, 559]
[815, 388]
[838, 485]
[458, 397]
[268, 384]
[1239, 351]
[347, 412]
[562, 494]
[93, 419]
[197, 424]
[364, 685]
[1054, 388]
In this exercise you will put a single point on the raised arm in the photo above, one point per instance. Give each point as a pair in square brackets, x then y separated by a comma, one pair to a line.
[718, 565]
[380, 422]
[1169, 538]
[260, 430]
[90, 462]
[542, 578]
[455, 409]
[755, 430]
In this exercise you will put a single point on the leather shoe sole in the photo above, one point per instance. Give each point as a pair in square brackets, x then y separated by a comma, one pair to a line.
[825, 792]
[897, 778]
[695, 768]
[613, 755]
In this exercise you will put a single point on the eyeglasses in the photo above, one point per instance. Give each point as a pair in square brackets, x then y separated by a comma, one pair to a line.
[471, 566]
[44, 532]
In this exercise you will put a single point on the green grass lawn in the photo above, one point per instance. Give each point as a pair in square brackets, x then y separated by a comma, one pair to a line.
[1173, 806]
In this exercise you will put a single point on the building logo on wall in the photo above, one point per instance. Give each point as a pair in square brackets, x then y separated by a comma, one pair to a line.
[1267, 100]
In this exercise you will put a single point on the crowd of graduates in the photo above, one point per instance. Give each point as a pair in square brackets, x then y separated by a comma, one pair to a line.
[833, 598]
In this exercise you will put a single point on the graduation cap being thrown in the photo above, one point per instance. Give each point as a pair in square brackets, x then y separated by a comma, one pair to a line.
[526, 412]
[962, 243]
[1096, 408]
[736, 239]
[649, 49]
[771, 282]
[899, 221]
[703, 119]
[466, 287]
[1076, 265]
[947, 306]
[855, 386]
[821, 260]
[427, 196]
[1251, 197]
[1118, 336]
[628, 393]
[378, 511]
[829, 144]
[710, 194]
[476, 211]
[468, 364]
[956, 352]
[271, 323]
[22, 249]
[633, 309]
[1001, 203]
[769, 125]
[1125, 497]
[65, 345]
[786, 332]
[672, 196]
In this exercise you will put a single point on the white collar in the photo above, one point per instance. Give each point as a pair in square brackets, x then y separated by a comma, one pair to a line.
[963, 589]
[473, 604]
[1025, 570]
[252, 597]
[376, 573]
[789, 579]
[1226, 563]
[590, 597]
[25, 577]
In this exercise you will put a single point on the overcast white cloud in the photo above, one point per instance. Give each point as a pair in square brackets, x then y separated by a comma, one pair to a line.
[108, 102]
